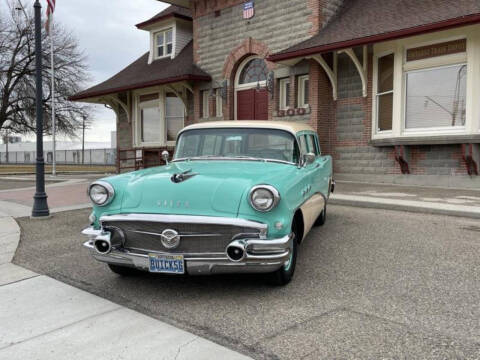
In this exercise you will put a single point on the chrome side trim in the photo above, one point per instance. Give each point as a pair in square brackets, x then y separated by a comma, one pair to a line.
[213, 220]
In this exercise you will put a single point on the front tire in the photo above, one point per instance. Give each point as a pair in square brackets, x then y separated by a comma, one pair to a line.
[284, 275]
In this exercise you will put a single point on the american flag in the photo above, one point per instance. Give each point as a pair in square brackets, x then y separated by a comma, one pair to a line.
[50, 10]
[248, 10]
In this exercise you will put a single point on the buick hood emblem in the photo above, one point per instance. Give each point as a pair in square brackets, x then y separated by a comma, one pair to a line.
[177, 178]
[170, 238]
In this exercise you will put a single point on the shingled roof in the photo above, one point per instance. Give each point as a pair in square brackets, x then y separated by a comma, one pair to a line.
[171, 11]
[140, 74]
[366, 21]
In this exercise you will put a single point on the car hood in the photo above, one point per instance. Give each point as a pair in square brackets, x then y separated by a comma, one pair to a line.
[213, 187]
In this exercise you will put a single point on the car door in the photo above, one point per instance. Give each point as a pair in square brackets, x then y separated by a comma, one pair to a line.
[310, 202]
[322, 169]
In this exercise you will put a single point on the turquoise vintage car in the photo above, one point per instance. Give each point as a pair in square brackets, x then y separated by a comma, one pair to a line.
[238, 196]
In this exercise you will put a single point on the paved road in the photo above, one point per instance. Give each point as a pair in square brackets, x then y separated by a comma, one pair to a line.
[370, 284]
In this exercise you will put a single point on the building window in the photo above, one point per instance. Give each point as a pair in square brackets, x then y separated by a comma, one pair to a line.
[303, 91]
[254, 71]
[164, 43]
[284, 94]
[174, 115]
[218, 104]
[436, 97]
[384, 98]
[205, 108]
[150, 119]
[159, 118]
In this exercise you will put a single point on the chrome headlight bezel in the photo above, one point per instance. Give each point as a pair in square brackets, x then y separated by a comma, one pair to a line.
[108, 189]
[275, 197]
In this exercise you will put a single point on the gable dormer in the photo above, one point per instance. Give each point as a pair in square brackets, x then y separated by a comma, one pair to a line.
[170, 31]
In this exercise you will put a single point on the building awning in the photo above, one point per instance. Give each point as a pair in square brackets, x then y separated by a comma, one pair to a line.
[141, 74]
[361, 22]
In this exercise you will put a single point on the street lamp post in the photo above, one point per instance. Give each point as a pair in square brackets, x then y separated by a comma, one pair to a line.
[40, 206]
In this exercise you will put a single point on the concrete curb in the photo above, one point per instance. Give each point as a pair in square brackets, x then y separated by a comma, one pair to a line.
[53, 320]
[405, 205]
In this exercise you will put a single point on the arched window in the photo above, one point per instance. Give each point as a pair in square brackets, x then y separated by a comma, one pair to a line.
[254, 71]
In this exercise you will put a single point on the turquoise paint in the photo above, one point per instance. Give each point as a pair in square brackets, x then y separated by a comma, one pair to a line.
[220, 188]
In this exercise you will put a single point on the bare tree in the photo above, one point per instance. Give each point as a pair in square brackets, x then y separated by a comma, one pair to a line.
[17, 75]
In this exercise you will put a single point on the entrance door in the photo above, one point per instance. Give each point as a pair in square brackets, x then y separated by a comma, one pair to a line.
[252, 104]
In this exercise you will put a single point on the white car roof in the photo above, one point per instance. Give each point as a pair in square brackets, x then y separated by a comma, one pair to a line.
[292, 127]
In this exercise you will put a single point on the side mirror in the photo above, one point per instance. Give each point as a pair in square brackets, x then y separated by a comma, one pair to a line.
[308, 159]
[165, 156]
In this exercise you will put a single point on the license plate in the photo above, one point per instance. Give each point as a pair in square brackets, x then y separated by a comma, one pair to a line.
[170, 264]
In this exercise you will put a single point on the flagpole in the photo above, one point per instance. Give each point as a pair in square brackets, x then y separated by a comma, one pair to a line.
[54, 161]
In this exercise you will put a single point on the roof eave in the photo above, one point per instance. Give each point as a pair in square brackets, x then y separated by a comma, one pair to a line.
[417, 30]
[170, 80]
[144, 24]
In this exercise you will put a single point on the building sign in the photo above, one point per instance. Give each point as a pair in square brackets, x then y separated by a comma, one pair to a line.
[429, 51]
[248, 10]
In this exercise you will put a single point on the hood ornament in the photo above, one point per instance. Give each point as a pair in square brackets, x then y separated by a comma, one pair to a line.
[178, 178]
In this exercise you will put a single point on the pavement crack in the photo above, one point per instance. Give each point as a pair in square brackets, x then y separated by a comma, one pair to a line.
[60, 328]
[183, 346]
[17, 281]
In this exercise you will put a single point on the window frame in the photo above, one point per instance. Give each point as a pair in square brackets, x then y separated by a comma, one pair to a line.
[218, 103]
[136, 118]
[434, 129]
[283, 95]
[377, 94]
[470, 57]
[165, 44]
[301, 91]
[205, 96]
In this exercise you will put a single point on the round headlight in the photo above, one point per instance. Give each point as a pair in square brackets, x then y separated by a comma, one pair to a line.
[101, 193]
[264, 197]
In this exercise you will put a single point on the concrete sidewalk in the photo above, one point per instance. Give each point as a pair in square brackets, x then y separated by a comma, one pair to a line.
[430, 200]
[42, 318]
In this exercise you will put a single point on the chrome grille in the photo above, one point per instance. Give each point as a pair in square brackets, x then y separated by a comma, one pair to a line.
[195, 238]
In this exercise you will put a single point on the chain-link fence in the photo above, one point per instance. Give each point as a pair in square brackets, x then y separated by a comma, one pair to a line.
[67, 157]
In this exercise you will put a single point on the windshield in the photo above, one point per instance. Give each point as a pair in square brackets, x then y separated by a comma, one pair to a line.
[246, 143]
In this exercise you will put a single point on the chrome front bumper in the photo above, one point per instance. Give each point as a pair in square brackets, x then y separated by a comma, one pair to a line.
[260, 256]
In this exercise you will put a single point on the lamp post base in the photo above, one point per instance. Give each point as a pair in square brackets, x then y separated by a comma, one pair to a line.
[40, 206]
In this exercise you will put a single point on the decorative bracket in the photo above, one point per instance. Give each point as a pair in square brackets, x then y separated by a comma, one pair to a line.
[330, 73]
[362, 71]
[181, 96]
[115, 100]
[402, 156]
[471, 156]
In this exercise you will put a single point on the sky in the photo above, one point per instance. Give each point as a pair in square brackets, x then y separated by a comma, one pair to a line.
[107, 34]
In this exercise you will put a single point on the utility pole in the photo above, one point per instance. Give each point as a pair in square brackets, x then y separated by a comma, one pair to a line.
[40, 205]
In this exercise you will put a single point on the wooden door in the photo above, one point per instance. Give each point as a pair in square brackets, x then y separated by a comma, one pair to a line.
[252, 104]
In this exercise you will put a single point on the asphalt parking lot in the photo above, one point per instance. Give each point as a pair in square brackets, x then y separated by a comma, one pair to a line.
[370, 284]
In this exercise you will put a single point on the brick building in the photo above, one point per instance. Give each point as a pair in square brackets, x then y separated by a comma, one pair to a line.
[392, 86]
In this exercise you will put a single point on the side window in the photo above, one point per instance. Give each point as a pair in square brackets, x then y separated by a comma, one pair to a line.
[312, 145]
[303, 144]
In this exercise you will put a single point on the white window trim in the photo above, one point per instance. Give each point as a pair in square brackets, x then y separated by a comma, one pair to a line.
[429, 130]
[399, 47]
[205, 104]
[376, 94]
[136, 118]
[301, 92]
[283, 96]
[163, 33]
[153, 42]
[218, 104]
